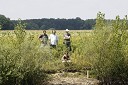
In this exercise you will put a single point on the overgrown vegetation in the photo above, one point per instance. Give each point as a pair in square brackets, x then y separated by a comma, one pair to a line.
[103, 50]
[20, 59]
[109, 50]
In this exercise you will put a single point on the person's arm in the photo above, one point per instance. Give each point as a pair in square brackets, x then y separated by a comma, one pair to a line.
[62, 58]
[40, 37]
[64, 36]
[49, 39]
[47, 36]
[67, 36]
[57, 40]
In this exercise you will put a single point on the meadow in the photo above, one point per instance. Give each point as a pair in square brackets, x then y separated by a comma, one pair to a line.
[22, 58]
[103, 51]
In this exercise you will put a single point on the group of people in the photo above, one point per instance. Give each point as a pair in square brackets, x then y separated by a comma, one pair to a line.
[52, 40]
[45, 39]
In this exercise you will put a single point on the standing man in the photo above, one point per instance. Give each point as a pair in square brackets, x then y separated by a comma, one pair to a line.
[67, 41]
[44, 38]
[53, 39]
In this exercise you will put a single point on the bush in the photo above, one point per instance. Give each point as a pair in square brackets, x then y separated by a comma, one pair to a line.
[20, 58]
[109, 50]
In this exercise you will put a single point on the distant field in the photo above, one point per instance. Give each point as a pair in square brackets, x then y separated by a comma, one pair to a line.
[58, 32]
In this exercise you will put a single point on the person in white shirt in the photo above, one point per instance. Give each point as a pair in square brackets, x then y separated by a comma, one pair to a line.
[53, 39]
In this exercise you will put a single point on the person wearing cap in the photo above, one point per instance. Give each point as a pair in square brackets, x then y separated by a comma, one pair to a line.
[53, 39]
[67, 40]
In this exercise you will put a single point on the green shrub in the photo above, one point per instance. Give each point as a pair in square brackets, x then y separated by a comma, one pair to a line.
[109, 50]
[20, 58]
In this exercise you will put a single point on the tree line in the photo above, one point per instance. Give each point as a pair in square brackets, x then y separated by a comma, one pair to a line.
[49, 23]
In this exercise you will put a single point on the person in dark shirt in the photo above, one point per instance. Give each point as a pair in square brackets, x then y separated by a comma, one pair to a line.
[44, 38]
[67, 40]
[66, 57]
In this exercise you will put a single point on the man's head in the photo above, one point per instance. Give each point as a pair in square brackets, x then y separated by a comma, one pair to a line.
[66, 52]
[66, 30]
[53, 31]
[44, 31]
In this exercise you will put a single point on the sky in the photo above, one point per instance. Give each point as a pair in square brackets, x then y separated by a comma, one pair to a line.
[85, 9]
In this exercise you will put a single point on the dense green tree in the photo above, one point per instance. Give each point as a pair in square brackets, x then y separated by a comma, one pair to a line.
[60, 24]
[4, 22]
[32, 26]
[89, 24]
[48, 23]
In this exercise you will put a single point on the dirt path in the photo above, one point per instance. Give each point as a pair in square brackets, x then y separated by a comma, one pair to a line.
[71, 79]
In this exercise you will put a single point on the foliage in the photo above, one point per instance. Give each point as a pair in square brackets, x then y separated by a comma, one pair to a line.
[45, 23]
[20, 59]
[0, 26]
[4, 22]
[58, 24]
[109, 50]
[20, 32]
[26, 61]
[103, 50]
